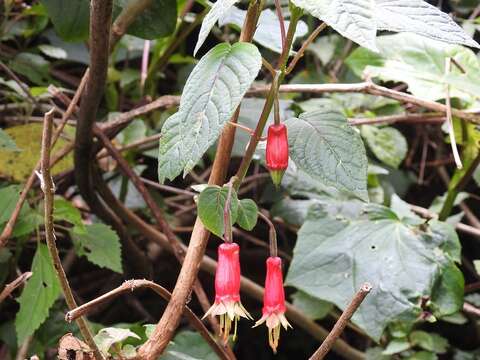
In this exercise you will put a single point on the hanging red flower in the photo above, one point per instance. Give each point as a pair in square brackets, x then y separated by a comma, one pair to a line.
[277, 152]
[227, 290]
[273, 313]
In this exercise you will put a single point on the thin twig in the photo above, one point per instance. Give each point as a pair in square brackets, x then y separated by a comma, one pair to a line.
[131, 285]
[470, 309]
[304, 46]
[428, 118]
[10, 287]
[49, 191]
[20, 83]
[281, 22]
[342, 322]
[367, 88]
[451, 132]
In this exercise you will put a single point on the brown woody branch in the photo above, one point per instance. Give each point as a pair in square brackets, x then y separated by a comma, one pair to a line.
[368, 88]
[131, 285]
[48, 188]
[10, 287]
[341, 323]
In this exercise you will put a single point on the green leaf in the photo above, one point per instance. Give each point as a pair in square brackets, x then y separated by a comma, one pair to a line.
[422, 355]
[387, 143]
[69, 17]
[354, 19]
[64, 210]
[33, 66]
[211, 203]
[189, 345]
[420, 63]
[396, 346]
[421, 18]
[218, 10]
[101, 245]
[247, 214]
[333, 259]
[53, 51]
[267, 33]
[109, 336]
[314, 308]
[213, 91]
[38, 295]
[323, 145]
[6, 142]
[8, 200]
[429, 341]
[447, 295]
[156, 21]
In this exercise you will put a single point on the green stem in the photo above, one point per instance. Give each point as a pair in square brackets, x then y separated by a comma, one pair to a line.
[455, 190]
[296, 13]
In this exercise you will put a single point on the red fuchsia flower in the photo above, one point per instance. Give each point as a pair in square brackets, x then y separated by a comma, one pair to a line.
[227, 290]
[273, 313]
[277, 152]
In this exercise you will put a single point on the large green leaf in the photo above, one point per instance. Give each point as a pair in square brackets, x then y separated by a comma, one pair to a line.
[156, 21]
[247, 214]
[64, 210]
[421, 18]
[219, 9]
[69, 17]
[387, 143]
[354, 19]
[323, 145]
[39, 294]
[101, 245]
[420, 63]
[213, 91]
[359, 20]
[8, 199]
[332, 259]
[211, 203]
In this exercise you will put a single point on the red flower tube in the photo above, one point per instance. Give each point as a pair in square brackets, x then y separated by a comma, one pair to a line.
[227, 290]
[277, 152]
[273, 312]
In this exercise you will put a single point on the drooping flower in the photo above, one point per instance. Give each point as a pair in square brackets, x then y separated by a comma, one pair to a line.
[227, 290]
[273, 313]
[277, 152]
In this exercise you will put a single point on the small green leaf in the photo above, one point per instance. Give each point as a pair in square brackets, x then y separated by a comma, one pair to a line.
[218, 10]
[101, 245]
[53, 51]
[447, 295]
[64, 210]
[6, 142]
[422, 355]
[189, 345]
[323, 145]
[429, 341]
[211, 203]
[109, 336]
[38, 295]
[212, 93]
[8, 200]
[69, 17]
[396, 346]
[156, 21]
[387, 143]
[247, 214]
[314, 308]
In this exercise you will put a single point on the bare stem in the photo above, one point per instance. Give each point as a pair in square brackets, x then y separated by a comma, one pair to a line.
[341, 322]
[281, 21]
[131, 285]
[10, 287]
[272, 235]
[304, 46]
[451, 132]
[49, 191]
[227, 217]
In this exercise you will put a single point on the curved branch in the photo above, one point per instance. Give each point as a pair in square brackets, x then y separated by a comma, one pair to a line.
[130, 286]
